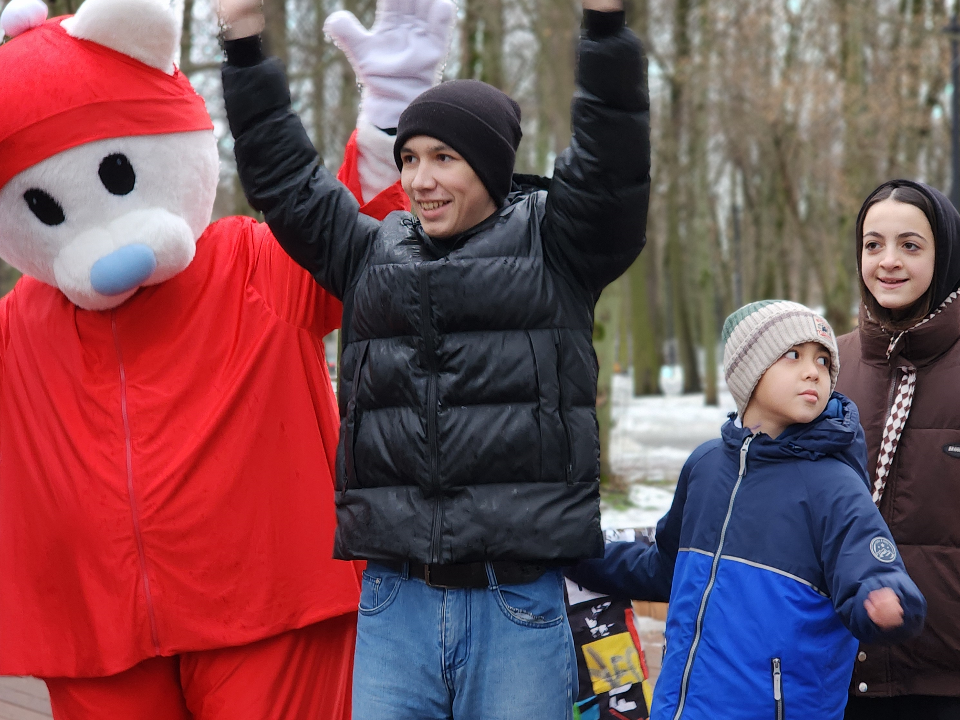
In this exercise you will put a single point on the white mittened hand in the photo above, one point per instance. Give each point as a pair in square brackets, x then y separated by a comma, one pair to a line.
[399, 57]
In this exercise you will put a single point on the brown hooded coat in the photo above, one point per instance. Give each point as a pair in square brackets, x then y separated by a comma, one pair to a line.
[921, 502]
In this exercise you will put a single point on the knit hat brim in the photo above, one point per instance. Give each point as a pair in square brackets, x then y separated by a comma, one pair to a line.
[476, 120]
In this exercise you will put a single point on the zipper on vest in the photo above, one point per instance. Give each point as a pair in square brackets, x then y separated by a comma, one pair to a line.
[891, 395]
[568, 447]
[692, 653]
[429, 347]
[777, 686]
[134, 510]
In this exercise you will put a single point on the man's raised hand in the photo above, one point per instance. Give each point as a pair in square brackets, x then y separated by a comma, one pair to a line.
[603, 5]
[399, 57]
[240, 18]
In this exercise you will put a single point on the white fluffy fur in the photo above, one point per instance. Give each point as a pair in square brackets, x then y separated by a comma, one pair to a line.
[22, 15]
[376, 166]
[399, 57]
[143, 29]
[168, 210]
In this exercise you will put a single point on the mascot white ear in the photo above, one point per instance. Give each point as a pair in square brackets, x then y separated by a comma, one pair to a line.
[146, 30]
[22, 15]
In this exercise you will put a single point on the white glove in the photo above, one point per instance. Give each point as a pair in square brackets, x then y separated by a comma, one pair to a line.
[401, 56]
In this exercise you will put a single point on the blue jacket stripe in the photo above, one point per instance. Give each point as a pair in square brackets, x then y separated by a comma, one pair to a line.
[684, 683]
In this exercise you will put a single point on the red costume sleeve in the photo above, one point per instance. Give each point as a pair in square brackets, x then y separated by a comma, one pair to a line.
[393, 198]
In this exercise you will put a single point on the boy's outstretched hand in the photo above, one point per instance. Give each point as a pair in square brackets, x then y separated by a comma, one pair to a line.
[884, 609]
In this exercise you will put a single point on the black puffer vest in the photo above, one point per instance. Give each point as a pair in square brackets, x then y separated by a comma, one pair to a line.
[468, 394]
[468, 378]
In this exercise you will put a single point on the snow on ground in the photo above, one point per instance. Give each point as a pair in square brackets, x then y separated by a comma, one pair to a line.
[650, 440]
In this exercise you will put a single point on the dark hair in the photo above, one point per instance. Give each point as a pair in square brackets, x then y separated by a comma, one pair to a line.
[906, 318]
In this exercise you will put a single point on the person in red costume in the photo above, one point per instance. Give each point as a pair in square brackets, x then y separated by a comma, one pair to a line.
[167, 426]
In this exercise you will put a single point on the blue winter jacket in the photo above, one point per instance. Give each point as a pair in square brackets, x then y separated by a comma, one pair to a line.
[767, 554]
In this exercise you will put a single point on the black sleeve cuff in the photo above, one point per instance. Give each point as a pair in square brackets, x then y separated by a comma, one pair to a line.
[598, 24]
[243, 52]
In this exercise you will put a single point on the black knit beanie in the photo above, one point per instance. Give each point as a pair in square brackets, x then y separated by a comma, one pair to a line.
[475, 119]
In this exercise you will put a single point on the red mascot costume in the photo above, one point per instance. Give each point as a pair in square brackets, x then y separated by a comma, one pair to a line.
[167, 425]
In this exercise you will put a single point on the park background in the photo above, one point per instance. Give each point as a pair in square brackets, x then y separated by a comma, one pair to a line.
[771, 121]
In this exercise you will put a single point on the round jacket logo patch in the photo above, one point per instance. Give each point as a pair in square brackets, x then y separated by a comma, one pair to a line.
[883, 550]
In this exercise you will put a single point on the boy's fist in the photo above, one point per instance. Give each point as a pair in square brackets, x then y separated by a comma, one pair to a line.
[884, 609]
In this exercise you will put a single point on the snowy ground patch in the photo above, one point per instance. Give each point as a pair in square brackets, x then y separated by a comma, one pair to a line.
[650, 440]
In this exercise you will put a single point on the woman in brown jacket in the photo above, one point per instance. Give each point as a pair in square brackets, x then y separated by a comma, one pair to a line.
[902, 368]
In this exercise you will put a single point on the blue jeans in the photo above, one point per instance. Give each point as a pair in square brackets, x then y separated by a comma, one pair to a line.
[504, 652]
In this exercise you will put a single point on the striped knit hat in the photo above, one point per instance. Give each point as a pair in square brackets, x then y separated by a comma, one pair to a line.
[758, 334]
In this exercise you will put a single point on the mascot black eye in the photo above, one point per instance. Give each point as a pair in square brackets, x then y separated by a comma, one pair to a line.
[117, 175]
[47, 210]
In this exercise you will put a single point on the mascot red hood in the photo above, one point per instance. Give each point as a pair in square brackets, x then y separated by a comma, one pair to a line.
[167, 425]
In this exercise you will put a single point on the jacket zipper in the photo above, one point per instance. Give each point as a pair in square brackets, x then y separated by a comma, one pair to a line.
[350, 471]
[891, 396]
[151, 613]
[568, 448]
[430, 350]
[691, 654]
[777, 686]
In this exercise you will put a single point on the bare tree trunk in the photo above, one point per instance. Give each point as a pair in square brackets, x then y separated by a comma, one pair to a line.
[706, 235]
[186, 38]
[556, 29]
[482, 42]
[63, 7]
[645, 339]
[604, 343]
[318, 81]
[676, 252]
[645, 329]
[275, 39]
[623, 326]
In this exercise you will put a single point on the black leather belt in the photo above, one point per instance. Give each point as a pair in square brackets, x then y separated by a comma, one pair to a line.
[471, 575]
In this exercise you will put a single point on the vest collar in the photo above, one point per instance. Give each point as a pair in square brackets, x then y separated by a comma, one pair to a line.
[919, 347]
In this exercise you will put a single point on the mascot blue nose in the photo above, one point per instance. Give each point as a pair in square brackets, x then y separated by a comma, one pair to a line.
[123, 269]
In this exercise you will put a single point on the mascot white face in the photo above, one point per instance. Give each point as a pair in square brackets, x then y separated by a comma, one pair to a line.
[100, 220]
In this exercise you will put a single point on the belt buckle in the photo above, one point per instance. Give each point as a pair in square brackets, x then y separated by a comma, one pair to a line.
[428, 579]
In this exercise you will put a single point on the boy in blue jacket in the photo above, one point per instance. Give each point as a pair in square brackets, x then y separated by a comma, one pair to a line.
[773, 557]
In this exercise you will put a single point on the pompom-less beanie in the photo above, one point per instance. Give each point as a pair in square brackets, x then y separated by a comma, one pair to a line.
[475, 119]
[58, 92]
[758, 334]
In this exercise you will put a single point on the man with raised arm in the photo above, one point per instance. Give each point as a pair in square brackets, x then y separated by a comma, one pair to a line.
[468, 465]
